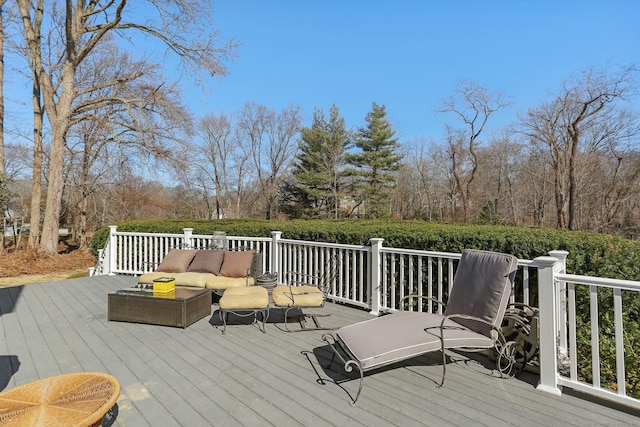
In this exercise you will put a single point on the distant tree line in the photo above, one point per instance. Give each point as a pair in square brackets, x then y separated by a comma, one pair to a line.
[111, 141]
[572, 162]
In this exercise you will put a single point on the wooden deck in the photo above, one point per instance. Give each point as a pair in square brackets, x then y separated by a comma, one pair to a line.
[199, 377]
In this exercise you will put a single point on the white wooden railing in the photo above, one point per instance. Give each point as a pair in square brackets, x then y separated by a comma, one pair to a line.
[565, 319]
[375, 278]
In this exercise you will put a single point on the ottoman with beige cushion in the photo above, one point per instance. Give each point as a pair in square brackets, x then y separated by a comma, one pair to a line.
[247, 301]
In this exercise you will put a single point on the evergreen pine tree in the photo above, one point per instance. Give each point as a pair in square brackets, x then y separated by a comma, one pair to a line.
[317, 173]
[373, 167]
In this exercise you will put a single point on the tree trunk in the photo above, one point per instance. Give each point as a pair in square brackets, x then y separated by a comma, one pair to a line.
[60, 118]
[562, 222]
[36, 180]
[81, 232]
[574, 134]
[3, 171]
[51, 223]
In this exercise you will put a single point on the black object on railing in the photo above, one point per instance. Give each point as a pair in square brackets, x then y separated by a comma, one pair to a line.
[267, 280]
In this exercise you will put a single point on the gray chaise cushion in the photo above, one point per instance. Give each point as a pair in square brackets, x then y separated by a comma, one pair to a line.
[481, 288]
[403, 335]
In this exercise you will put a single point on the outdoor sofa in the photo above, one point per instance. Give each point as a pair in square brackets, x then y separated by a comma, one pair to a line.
[205, 268]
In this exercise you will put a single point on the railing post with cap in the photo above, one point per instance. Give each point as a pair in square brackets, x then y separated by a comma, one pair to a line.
[187, 241]
[375, 279]
[111, 254]
[548, 324]
[275, 255]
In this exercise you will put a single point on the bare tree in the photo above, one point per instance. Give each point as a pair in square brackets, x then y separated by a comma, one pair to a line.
[269, 137]
[418, 192]
[586, 116]
[181, 25]
[120, 112]
[218, 145]
[473, 105]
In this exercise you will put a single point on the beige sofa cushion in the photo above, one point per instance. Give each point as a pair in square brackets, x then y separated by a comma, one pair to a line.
[207, 261]
[148, 278]
[176, 261]
[221, 282]
[194, 280]
[236, 263]
[187, 279]
[198, 280]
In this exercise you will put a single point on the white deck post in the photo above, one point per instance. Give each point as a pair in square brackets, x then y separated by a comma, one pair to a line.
[187, 241]
[110, 262]
[561, 302]
[374, 284]
[548, 324]
[275, 254]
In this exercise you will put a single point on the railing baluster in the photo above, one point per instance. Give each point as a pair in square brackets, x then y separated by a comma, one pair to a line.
[595, 340]
[573, 333]
[619, 334]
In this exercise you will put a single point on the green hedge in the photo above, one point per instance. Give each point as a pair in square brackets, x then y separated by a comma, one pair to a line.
[590, 254]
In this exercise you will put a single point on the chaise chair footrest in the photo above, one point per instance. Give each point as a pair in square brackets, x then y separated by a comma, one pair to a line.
[247, 301]
[290, 298]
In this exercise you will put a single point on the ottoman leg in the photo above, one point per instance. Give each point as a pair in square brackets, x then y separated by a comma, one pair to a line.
[223, 317]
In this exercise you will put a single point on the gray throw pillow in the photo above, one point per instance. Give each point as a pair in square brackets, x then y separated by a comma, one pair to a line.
[207, 261]
[176, 261]
[236, 263]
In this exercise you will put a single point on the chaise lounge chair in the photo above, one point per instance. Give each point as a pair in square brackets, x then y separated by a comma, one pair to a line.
[472, 319]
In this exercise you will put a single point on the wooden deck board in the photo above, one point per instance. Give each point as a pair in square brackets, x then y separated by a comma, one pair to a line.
[199, 377]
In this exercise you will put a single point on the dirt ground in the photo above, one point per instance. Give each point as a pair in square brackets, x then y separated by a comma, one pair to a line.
[25, 266]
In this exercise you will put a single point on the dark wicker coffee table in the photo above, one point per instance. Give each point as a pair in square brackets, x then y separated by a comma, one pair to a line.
[179, 309]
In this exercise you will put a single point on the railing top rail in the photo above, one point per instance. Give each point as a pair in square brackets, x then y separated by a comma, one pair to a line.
[180, 235]
[240, 238]
[599, 281]
[138, 233]
[325, 244]
[450, 255]
[420, 252]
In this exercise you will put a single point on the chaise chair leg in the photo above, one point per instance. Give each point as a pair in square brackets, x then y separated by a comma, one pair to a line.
[444, 367]
[302, 321]
[348, 368]
[316, 322]
[348, 364]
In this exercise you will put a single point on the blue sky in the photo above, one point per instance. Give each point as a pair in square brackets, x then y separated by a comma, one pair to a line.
[409, 54]
[405, 54]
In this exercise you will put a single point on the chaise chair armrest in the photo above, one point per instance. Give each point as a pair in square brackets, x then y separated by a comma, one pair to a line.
[422, 297]
[504, 348]
[294, 278]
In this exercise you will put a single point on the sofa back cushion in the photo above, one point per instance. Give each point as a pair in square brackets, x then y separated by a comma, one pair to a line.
[176, 261]
[236, 263]
[206, 261]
